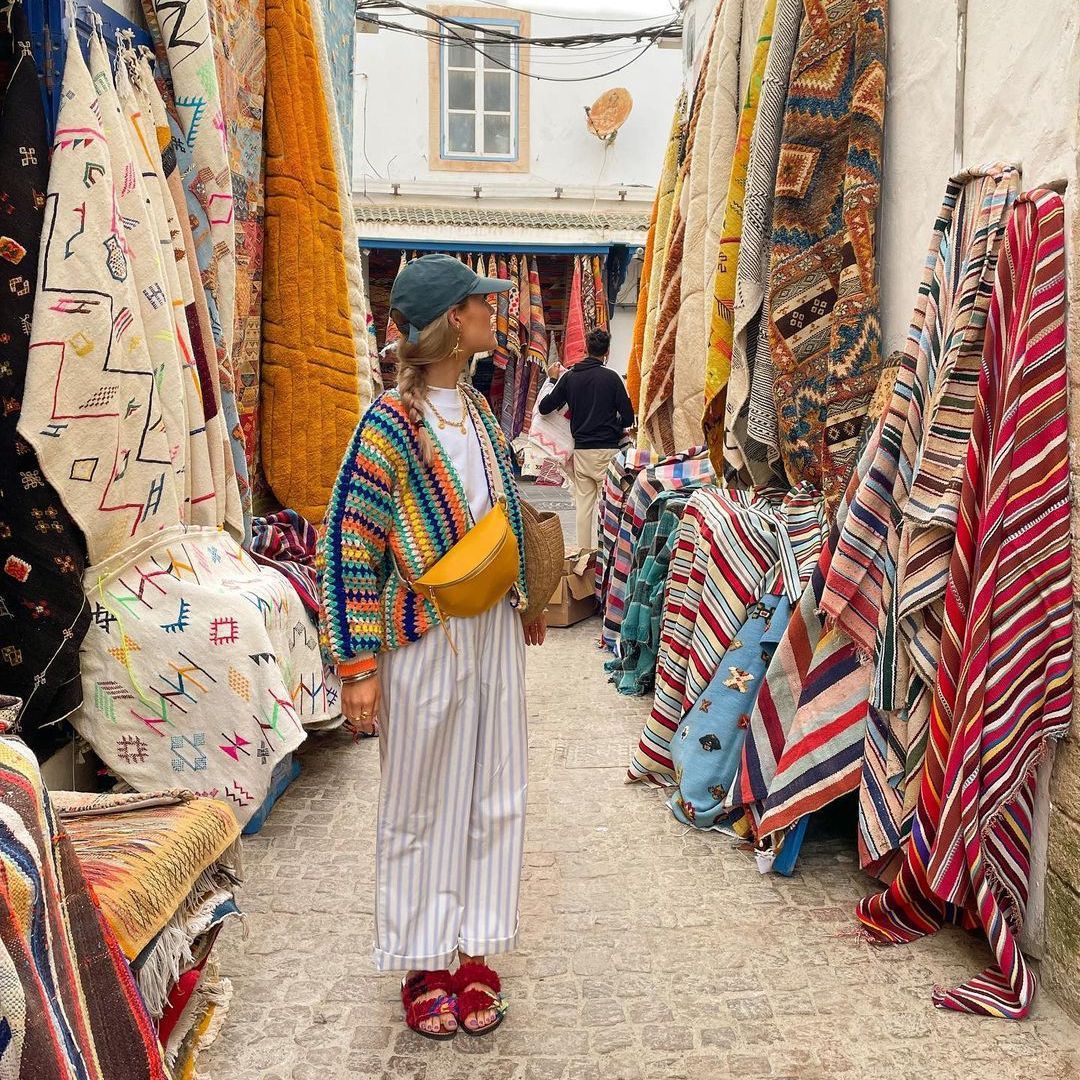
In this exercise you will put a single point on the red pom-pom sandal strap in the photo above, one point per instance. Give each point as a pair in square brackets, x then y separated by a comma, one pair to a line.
[474, 972]
[478, 1000]
[416, 1011]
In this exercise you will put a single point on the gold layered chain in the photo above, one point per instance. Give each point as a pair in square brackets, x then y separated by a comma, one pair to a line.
[461, 425]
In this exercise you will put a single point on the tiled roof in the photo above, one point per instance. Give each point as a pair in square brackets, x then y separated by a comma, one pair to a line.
[473, 216]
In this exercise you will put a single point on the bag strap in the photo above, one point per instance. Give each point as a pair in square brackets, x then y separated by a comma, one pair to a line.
[496, 487]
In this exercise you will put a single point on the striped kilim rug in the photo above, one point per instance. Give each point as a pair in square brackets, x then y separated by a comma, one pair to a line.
[669, 474]
[68, 1003]
[886, 584]
[1005, 676]
[729, 545]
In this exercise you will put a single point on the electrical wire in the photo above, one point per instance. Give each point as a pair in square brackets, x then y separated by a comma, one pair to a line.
[575, 18]
[670, 28]
[518, 71]
[449, 33]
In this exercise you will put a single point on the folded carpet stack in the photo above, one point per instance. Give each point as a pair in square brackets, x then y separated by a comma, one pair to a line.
[164, 867]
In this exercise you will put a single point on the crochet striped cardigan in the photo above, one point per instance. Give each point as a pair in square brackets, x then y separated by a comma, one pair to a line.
[390, 515]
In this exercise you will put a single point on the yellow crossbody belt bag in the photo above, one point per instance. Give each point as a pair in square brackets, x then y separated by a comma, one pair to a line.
[477, 572]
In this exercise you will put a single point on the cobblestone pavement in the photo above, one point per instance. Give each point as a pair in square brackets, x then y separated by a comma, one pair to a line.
[646, 950]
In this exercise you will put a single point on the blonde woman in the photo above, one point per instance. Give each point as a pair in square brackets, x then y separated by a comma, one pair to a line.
[427, 461]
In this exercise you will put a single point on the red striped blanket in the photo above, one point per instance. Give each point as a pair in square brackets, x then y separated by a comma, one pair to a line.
[1004, 681]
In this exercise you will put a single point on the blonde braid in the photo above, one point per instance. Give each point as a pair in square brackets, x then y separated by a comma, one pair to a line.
[412, 386]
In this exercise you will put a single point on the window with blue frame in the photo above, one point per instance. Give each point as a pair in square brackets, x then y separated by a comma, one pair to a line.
[479, 93]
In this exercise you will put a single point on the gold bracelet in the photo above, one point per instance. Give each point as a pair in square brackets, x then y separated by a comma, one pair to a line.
[362, 677]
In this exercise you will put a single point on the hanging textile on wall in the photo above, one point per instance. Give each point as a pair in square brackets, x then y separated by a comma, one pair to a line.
[42, 554]
[339, 19]
[886, 585]
[641, 312]
[189, 82]
[666, 474]
[315, 375]
[573, 346]
[707, 748]
[103, 430]
[743, 455]
[168, 651]
[145, 110]
[240, 53]
[825, 331]
[707, 196]
[71, 1007]
[538, 336]
[1005, 678]
[793, 764]
[614, 269]
[584, 269]
[599, 293]
[720, 325]
[649, 296]
[657, 419]
[144, 239]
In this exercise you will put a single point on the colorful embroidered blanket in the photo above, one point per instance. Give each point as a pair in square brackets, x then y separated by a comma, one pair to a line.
[315, 372]
[750, 320]
[1005, 677]
[200, 670]
[621, 474]
[69, 1004]
[824, 324]
[42, 554]
[145, 108]
[105, 430]
[184, 45]
[720, 324]
[805, 744]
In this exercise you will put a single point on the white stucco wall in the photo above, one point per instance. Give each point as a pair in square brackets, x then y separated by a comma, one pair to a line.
[1022, 92]
[391, 117]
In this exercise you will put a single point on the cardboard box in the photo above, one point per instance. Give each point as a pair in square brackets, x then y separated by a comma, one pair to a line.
[575, 596]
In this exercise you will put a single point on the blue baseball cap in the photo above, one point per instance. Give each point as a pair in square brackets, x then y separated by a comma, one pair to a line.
[430, 286]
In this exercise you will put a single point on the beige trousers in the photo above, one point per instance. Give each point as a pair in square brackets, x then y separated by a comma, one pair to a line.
[590, 468]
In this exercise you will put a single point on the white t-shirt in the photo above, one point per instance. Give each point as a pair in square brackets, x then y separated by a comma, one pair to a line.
[464, 451]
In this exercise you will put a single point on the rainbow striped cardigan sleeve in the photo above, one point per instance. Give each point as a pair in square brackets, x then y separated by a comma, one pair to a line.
[353, 551]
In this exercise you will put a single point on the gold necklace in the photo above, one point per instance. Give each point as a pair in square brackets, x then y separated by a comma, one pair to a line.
[458, 425]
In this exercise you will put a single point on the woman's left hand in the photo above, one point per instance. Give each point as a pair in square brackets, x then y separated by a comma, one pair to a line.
[536, 632]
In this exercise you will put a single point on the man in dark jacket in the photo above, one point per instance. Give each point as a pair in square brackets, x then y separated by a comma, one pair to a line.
[600, 413]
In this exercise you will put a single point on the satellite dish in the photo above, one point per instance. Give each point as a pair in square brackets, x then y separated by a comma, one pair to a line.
[608, 113]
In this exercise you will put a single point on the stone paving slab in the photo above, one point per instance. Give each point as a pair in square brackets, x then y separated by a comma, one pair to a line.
[647, 950]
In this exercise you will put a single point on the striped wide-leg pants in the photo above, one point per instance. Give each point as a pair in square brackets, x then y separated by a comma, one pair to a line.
[451, 828]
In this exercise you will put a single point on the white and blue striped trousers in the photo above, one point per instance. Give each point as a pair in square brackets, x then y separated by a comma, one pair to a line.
[454, 760]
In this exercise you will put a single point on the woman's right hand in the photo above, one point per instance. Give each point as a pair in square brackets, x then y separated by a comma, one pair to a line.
[360, 703]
